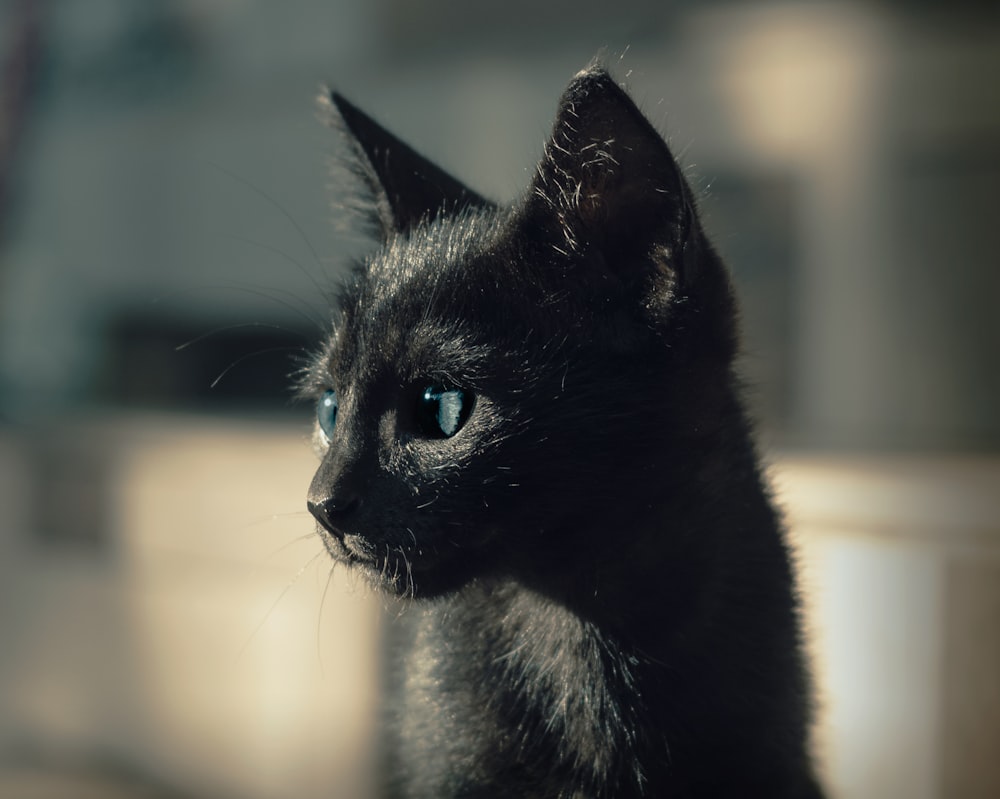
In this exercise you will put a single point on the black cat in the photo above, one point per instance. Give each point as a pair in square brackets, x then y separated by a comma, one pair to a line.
[530, 430]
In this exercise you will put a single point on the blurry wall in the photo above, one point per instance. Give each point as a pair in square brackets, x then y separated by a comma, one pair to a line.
[169, 179]
[167, 237]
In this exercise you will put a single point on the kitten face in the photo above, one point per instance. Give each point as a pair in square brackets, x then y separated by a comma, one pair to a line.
[500, 379]
[418, 422]
[455, 437]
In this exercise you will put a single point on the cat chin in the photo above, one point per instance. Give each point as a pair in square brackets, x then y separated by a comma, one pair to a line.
[392, 572]
[393, 578]
[418, 587]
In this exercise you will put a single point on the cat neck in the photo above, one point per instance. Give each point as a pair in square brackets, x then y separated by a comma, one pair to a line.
[656, 572]
[607, 661]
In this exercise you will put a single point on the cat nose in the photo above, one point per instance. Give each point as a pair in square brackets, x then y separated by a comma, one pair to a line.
[333, 510]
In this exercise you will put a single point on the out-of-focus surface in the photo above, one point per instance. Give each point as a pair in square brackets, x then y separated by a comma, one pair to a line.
[166, 627]
[899, 561]
[208, 650]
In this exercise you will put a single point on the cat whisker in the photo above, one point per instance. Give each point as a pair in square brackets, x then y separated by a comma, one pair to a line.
[226, 328]
[296, 540]
[273, 517]
[325, 294]
[291, 301]
[266, 292]
[275, 204]
[319, 619]
[385, 563]
[411, 588]
[247, 357]
[270, 610]
[282, 548]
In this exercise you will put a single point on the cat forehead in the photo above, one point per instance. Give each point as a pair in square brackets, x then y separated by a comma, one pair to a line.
[442, 276]
[443, 250]
[412, 312]
[371, 350]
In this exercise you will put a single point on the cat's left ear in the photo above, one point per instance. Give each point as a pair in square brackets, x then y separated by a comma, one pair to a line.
[608, 181]
[404, 187]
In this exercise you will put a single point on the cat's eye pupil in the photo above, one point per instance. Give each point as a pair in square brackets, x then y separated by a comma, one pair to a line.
[442, 411]
[326, 412]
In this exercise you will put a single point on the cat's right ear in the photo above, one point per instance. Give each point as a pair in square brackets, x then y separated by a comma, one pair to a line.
[609, 183]
[404, 188]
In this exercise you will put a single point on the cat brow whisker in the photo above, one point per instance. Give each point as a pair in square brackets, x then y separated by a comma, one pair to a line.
[225, 328]
[266, 292]
[247, 357]
[326, 294]
[281, 209]
[291, 301]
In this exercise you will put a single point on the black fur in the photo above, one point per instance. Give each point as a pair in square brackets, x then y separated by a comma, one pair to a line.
[600, 600]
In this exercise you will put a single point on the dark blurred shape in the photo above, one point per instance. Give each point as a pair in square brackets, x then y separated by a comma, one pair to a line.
[71, 482]
[18, 77]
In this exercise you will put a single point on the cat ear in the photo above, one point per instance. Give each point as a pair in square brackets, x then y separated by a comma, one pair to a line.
[607, 180]
[405, 187]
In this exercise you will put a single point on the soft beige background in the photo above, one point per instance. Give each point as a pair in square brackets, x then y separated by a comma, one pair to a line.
[220, 656]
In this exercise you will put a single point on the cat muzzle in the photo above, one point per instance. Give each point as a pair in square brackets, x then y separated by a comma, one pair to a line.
[331, 516]
[331, 513]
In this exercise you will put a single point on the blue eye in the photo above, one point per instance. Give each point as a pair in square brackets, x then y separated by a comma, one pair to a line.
[326, 413]
[441, 411]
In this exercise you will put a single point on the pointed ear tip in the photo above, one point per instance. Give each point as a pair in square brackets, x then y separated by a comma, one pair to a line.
[341, 114]
[336, 100]
[333, 102]
[595, 69]
[326, 104]
[593, 77]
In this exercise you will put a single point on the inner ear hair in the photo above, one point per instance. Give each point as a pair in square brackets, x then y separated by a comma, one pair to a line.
[406, 189]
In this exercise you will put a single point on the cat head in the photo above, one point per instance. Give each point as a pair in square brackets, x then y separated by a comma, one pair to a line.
[506, 384]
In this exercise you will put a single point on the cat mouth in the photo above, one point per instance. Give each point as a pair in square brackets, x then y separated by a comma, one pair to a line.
[347, 547]
[389, 569]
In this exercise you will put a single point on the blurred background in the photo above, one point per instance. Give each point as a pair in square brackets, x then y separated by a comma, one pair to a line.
[168, 627]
